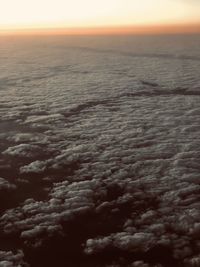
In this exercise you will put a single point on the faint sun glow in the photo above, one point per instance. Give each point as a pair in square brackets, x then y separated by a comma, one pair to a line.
[92, 13]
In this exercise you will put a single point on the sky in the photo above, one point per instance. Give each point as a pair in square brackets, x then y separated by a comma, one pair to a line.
[29, 14]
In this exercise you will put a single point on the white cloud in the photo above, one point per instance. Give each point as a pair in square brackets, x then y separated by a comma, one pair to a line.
[6, 185]
[9, 259]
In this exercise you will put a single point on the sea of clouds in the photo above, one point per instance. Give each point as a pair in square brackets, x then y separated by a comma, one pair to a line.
[100, 152]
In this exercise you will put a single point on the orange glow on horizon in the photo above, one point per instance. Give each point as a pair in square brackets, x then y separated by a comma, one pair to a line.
[120, 30]
[89, 16]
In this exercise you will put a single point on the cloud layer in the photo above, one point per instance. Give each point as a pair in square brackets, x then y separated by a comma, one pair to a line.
[100, 157]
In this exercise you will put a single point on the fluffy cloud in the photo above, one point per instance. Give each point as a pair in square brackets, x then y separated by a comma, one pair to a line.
[9, 259]
[5, 185]
[23, 150]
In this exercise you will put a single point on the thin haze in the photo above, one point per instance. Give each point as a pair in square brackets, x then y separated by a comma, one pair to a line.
[90, 13]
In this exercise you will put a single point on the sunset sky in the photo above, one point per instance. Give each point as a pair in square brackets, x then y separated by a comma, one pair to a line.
[37, 14]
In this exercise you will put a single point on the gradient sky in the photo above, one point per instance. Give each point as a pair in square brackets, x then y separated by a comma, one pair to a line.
[16, 14]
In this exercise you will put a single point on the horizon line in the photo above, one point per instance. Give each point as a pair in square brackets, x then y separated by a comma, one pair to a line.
[108, 30]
